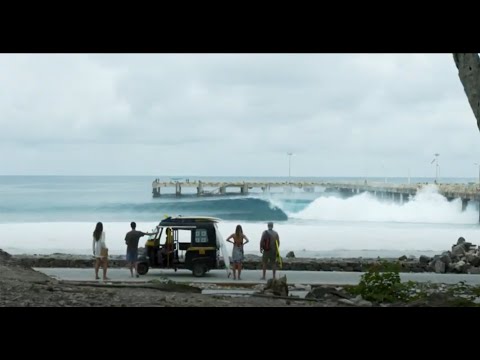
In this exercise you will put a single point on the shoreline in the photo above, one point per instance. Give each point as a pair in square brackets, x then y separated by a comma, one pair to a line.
[463, 259]
[252, 262]
[22, 286]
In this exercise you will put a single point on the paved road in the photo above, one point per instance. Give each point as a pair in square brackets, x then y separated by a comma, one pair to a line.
[252, 276]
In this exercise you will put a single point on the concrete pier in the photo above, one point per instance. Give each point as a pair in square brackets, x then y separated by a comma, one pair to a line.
[244, 189]
[387, 191]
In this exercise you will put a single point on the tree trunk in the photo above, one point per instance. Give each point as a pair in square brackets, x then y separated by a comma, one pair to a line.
[468, 65]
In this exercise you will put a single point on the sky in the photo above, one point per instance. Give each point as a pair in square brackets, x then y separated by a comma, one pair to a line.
[235, 115]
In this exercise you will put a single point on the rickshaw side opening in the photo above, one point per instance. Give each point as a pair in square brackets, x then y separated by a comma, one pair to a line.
[200, 254]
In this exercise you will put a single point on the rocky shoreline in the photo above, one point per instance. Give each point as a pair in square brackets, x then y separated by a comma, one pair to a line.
[22, 286]
[464, 258]
[253, 262]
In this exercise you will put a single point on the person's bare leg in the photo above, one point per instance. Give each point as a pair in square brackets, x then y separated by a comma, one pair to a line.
[105, 266]
[234, 271]
[264, 268]
[136, 269]
[97, 267]
[274, 269]
[239, 270]
[131, 269]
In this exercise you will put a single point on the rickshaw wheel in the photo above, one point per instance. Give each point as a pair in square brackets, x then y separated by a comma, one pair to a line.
[199, 269]
[142, 268]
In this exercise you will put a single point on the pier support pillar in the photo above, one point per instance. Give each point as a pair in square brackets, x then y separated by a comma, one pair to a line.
[244, 189]
[156, 192]
[178, 189]
[464, 204]
[223, 190]
[199, 188]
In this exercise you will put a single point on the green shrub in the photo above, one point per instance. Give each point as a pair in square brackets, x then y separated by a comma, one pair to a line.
[381, 283]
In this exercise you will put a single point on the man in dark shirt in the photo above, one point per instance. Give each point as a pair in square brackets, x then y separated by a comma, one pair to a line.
[131, 239]
[269, 247]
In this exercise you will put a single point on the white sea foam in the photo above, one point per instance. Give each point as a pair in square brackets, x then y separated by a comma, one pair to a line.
[326, 238]
[428, 206]
[361, 225]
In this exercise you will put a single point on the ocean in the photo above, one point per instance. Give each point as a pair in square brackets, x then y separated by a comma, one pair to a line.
[57, 214]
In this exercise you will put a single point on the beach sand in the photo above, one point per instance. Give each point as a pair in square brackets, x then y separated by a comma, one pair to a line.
[22, 286]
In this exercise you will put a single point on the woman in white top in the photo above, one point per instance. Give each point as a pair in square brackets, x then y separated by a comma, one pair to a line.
[100, 256]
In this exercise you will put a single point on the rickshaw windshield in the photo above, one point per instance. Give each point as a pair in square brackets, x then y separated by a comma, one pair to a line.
[155, 232]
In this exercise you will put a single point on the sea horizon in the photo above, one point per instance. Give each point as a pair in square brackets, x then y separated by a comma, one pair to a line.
[61, 212]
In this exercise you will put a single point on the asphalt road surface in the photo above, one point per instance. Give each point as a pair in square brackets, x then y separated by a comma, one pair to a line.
[250, 276]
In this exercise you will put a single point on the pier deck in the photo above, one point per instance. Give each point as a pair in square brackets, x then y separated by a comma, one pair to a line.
[396, 192]
[463, 191]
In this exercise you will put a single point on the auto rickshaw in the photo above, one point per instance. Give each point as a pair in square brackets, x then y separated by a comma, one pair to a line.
[183, 243]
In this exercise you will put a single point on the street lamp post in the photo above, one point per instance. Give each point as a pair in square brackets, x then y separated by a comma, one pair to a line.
[478, 171]
[435, 160]
[289, 164]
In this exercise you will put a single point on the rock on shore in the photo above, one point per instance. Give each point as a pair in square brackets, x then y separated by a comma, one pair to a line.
[463, 258]
[252, 262]
[22, 286]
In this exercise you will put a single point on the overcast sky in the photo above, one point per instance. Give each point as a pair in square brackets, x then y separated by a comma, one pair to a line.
[235, 115]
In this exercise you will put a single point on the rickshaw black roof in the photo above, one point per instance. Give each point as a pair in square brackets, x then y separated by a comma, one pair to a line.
[188, 220]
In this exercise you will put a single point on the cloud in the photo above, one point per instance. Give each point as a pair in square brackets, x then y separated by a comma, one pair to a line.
[234, 114]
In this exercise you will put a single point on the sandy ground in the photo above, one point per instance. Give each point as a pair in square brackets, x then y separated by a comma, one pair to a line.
[22, 286]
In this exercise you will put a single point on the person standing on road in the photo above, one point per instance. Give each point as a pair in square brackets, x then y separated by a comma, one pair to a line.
[237, 253]
[269, 247]
[131, 239]
[100, 251]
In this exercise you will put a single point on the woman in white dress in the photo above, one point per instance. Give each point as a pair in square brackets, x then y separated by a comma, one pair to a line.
[100, 251]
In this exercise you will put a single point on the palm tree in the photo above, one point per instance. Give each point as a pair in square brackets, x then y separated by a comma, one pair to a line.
[468, 65]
